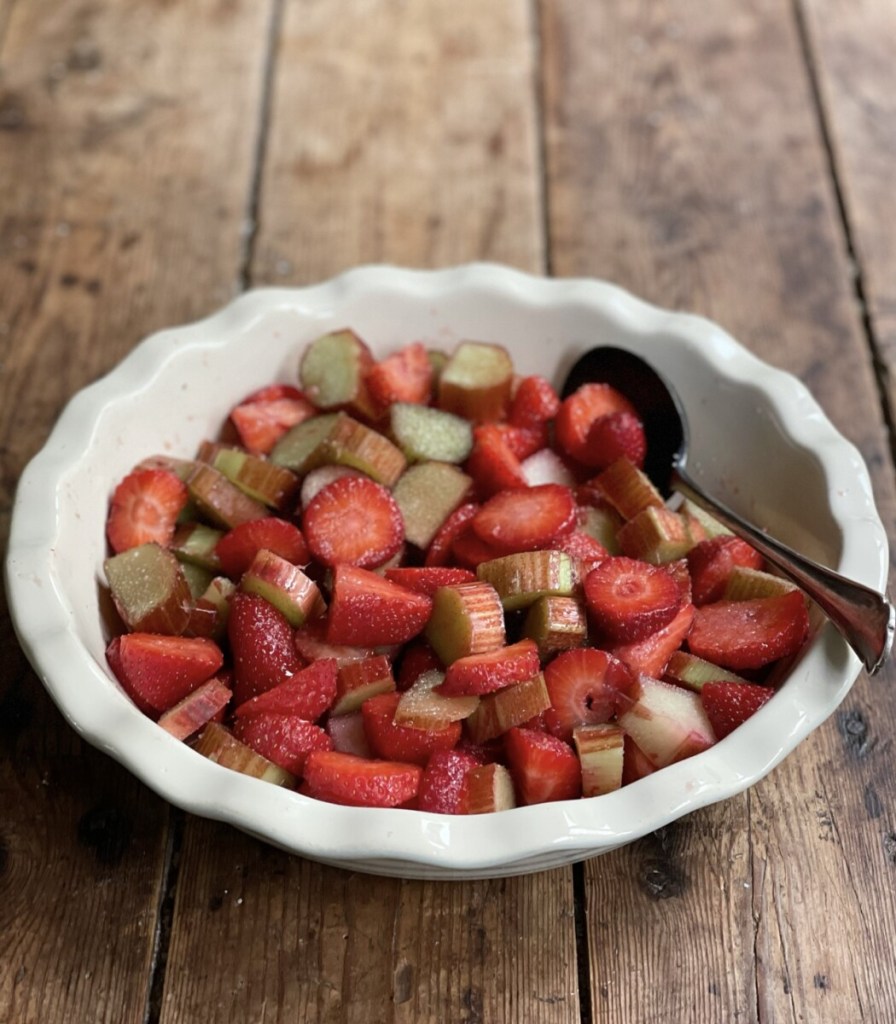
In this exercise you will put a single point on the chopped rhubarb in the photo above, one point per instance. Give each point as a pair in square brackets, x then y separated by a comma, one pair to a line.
[149, 589]
[467, 618]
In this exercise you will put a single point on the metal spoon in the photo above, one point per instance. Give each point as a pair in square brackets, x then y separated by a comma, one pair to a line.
[865, 618]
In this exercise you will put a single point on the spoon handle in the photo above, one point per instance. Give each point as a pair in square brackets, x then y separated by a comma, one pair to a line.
[864, 617]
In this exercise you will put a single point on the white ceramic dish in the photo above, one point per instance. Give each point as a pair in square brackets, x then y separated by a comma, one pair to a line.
[175, 389]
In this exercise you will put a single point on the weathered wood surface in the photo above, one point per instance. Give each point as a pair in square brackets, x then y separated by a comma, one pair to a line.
[156, 157]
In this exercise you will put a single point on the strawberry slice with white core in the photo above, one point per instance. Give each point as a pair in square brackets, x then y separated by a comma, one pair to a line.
[629, 599]
[527, 518]
[586, 686]
[144, 509]
[729, 704]
[353, 521]
[345, 779]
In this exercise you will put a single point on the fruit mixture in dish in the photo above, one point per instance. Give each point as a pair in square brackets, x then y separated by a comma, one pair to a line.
[428, 582]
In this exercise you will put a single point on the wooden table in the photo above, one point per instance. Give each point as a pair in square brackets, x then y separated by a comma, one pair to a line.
[734, 158]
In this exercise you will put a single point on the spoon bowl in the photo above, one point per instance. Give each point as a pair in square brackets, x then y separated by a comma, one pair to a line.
[864, 617]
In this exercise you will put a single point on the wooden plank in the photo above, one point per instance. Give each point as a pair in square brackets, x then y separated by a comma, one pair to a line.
[373, 155]
[851, 52]
[774, 908]
[116, 161]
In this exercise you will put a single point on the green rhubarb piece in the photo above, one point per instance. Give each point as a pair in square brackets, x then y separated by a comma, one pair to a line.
[745, 583]
[600, 749]
[628, 489]
[421, 706]
[198, 579]
[179, 467]
[477, 382]
[424, 433]
[556, 624]
[522, 578]
[195, 543]
[285, 586]
[212, 609]
[686, 669]
[333, 370]
[273, 485]
[603, 525]
[497, 712]
[221, 501]
[656, 535]
[711, 526]
[218, 744]
[338, 439]
[467, 618]
[149, 589]
[427, 493]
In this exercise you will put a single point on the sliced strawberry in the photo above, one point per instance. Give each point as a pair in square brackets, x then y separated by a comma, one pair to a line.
[544, 767]
[477, 674]
[443, 779]
[205, 704]
[439, 551]
[650, 655]
[729, 705]
[629, 599]
[471, 550]
[307, 694]
[586, 686]
[526, 519]
[158, 671]
[366, 609]
[712, 561]
[583, 548]
[578, 412]
[312, 645]
[239, 546]
[401, 742]
[144, 508]
[345, 779]
[261, 641]
[418, 657]
[404, 376]
[353, 521]
[750, 634]
[287, 740]
[428, 579]
[491, 463]
[263, 417]
[534, 403]
[614, 436]
[524, 442]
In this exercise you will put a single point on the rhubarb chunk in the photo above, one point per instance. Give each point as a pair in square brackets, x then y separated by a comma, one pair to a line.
[466, 619]
[521, 579]
[333, 373]
[476, 382]
[218, 744]
[149, 589]
[427, 494]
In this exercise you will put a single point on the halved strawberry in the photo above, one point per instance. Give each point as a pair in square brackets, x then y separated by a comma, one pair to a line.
[544, 767]
[492, 463]
[712, 561]
[439, 551]
[307, 693]
[261, 641]
[353, 521]
[443, 779]
[728, 705]
[263, 417]
[470, 550]
[239, 546]
[750, 634]
[477, 674]
[144, 508]
[366, 609]
[417, 657]
[404, 376]
[524, 442]
[401, 742]
[584, 550]
[629, 599]
[614, 436]
[346, 779]
[287, 740]
[427, 579]
[158, 671]
[586, 686]
[578, 412]
[526, 519]
[650, 655]
[312, 645]
[534, 403]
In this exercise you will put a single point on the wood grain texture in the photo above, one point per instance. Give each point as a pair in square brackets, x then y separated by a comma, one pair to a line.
[851, 52]
[654, 182]
[370, 157]
[124, 178]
